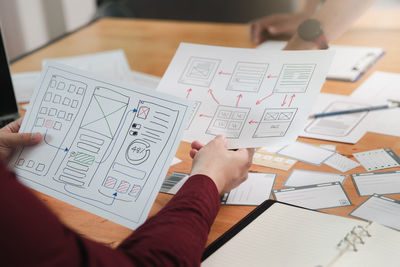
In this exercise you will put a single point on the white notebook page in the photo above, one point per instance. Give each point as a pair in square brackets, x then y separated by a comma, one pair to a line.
[285, 236]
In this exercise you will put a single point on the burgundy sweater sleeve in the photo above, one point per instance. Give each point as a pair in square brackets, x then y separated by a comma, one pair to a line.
[181, 227]
[33, 236]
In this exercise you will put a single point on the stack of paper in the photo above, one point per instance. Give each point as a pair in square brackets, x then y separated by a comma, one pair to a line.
[110, 64]
[254, 97]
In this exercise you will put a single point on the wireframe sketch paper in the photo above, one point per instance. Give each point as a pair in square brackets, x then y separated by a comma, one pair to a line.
[376, 90]
[255, 98]
[348, 128]
[106, 145]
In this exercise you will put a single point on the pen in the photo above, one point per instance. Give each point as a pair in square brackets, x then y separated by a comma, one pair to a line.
[393, 104]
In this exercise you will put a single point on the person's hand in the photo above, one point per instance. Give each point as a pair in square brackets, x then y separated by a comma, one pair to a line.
[10, 138]
[279, 24]
[225, 167]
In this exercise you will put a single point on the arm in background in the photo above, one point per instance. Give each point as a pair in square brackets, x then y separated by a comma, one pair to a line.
[335, 16]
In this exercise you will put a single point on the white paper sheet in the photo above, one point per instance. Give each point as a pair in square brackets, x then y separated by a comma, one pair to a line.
[378, 159]
[341, 163]
[303, 178]
[106, 145]
[144, 79]
[24, 83]
[347, 128]
[110, 64]
[255, 190]
[380, 209]
[381, 183]
[322, 196]
[376, 90]
[306, 153]
[175, 161]
[254, 97]
[349, 63]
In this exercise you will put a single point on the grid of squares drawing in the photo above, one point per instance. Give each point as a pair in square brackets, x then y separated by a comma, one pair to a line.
[228, 121]
[57, 111]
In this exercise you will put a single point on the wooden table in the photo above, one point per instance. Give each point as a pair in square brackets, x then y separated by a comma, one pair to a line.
[150, 45]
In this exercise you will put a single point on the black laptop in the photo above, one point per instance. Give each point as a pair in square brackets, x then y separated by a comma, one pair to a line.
[8, 103]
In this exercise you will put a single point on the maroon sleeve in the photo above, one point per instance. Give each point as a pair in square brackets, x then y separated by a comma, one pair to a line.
[33, 236]
[181, 227]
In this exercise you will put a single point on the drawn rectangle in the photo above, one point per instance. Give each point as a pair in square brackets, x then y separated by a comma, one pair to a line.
[275, 122]
[228, 121]
[247, 77]
[129, 171]
[194, 112]
[199, 71]
[294, 78]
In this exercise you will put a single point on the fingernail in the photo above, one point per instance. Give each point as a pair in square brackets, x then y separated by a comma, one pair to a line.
[35, 136]
[271, 30]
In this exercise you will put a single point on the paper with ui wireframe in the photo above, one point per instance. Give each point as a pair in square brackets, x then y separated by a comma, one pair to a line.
[381, 183]
[341, 163]
[321, 196]
[380, 209]
[255, 190]
[302, 178]
[306, 152]
[348, 128]
[376, 90]
[106, 145]
[112, 64]
[378, 159]
[263, 158]
[254, 97]
[349, 63]
[24, 83]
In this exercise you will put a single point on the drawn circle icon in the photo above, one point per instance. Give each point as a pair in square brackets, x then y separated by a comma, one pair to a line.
[137, 152]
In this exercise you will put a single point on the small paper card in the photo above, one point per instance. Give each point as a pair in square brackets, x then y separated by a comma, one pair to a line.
[264, 158]
[381, 183]
[302, 178]
[378, 159]
[321, 196]
[306, 153]
[380, 209]
[341, 163]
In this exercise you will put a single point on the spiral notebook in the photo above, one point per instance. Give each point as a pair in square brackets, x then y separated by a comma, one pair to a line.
[277, 234]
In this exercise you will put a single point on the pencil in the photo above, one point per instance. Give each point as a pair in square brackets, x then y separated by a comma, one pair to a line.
[350, 111]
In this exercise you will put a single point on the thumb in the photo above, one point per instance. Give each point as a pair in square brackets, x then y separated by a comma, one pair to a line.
[20, 139]
[220, 140]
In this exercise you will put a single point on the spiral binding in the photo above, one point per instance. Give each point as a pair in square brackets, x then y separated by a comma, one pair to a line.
[355, 237]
